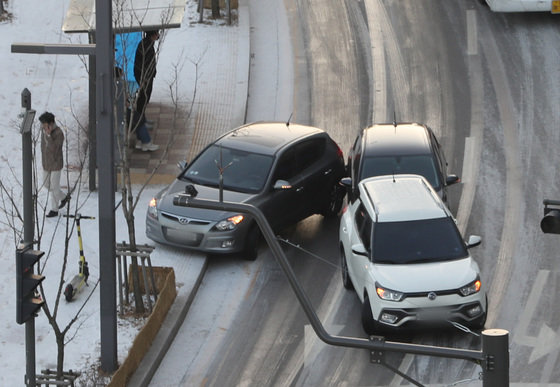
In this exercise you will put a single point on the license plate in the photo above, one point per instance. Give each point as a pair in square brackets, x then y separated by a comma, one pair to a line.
[433, 315]
[181, 236]
[555, 6]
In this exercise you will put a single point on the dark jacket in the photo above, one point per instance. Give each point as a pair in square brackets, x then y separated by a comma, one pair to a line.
[145, 61]
[51, 150]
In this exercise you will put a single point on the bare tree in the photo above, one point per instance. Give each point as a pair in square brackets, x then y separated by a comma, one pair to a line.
[4, 15]
[215, 9]
[10, 192]
[130, 198]
[14, 220]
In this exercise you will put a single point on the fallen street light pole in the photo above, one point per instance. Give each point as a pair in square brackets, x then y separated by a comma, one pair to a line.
[493, 358]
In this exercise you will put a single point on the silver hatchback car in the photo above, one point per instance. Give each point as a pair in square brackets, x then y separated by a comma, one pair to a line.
[288, 171]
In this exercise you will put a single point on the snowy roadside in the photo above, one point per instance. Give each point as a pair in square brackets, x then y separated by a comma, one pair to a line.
[60, 84]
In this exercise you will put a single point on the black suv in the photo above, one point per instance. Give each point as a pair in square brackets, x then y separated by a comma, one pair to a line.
[406, 148]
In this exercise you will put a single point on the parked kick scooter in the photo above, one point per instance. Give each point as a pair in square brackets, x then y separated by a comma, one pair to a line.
[80, 279]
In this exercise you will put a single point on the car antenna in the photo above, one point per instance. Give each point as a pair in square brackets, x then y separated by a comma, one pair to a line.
[394, 118]
[288, 122]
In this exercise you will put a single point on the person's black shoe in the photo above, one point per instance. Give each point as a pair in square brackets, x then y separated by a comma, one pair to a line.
[64, 201]
[52, 214]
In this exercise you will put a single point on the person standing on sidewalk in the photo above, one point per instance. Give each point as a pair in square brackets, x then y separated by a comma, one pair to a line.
[138, 125]
[145, 70]
[52, 160]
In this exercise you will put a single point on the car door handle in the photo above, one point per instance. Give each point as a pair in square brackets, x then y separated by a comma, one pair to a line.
[327, 171]
[344, 230]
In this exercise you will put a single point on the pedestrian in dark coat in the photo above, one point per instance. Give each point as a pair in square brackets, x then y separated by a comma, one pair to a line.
[52, 159]
[145, 69]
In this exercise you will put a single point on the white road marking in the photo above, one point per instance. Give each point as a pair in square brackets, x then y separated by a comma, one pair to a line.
[472, 33]
[547, 340]
[384, 41]
[514, 202]
[471, 161]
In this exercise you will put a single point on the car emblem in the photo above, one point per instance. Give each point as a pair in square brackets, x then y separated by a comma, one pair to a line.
[432, 296]
[184, 220]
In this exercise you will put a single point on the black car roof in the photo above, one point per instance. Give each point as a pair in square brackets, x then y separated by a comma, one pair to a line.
[400, 139]
[266, 137]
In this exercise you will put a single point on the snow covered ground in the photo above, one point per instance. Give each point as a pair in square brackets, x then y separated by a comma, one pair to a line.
[59, 83]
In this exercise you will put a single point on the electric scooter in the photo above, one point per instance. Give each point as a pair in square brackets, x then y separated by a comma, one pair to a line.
[80, 279]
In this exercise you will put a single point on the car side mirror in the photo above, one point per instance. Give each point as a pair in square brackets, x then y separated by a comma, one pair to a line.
[452, 179]
[474, 240]
[182, 164]
[346, 182]
[359, 249]
[282, 185]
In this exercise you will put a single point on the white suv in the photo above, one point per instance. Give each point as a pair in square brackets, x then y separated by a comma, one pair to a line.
[403, 254]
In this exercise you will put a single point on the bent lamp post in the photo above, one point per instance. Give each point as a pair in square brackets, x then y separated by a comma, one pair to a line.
[493, 358]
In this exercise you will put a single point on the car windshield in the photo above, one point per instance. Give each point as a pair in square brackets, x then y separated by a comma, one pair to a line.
[423, 165]
[243, 171]
[418, 241]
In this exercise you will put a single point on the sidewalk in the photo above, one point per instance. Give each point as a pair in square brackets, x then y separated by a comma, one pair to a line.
[220, 106]
[220, 102]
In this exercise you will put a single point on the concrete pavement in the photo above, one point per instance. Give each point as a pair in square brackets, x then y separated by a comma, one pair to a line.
[220, 106]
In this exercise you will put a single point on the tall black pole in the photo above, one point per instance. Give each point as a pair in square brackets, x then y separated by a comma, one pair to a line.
[28, 223]
[92, 160]
[104, 60]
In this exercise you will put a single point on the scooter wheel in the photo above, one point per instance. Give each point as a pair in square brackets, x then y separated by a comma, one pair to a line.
[69, 292]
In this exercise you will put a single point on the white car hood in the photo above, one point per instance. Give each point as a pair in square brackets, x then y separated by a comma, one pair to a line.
[424, 277]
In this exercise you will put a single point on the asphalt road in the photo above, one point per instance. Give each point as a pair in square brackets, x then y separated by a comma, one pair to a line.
[489, 86]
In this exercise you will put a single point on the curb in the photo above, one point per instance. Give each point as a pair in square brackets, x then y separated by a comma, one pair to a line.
[178, 311]
[168, 330]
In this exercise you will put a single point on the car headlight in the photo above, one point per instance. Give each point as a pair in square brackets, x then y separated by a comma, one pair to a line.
[388, 294]
[472, 288]
[229, 223]
[152, 208]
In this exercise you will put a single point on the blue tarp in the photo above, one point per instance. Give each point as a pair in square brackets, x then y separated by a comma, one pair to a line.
[125, 50]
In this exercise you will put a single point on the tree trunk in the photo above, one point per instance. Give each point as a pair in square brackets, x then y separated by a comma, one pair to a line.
[59, 354]
[215, 9]
[138, 302]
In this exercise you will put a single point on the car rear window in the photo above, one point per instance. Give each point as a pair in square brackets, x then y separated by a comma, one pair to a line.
[419, 241]
[242, 171]
[423, 165]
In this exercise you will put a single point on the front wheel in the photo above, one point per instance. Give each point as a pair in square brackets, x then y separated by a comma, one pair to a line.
[336, 197]
[252, 242]
[346, 281]
[368, 323]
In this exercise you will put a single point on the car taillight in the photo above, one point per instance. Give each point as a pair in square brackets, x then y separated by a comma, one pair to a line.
[339, 152]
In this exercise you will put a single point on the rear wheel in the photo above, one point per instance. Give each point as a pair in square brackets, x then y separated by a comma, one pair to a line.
[346, 281]
[69, 292]
[368, 323]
